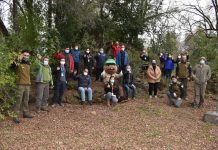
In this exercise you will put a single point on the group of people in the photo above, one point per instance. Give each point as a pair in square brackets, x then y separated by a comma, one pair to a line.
[115, 73]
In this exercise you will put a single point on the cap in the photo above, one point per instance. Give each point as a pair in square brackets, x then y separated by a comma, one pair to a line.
[203, 58]
[110, 61]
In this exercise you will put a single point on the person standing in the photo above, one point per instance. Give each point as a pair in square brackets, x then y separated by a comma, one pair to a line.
[122, 59]
[201, 73]
[88, 61]
[183, 73]
[168, 67]
[43, 82]
[76, 57]
[69, 62]
[22, 67]
[84, 85]
[116, 48]
[100, 59]
[153, 77]
[60, 76]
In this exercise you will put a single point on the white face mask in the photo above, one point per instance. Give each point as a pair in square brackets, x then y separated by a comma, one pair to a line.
[101, 51]
[76, 48]
[174, 80]
[85, 73]
[67, 51]
[45, 62]
[62, 62]
[128, 69]
[88, 52]
[112, 81]
[123, 48]
[202, 62]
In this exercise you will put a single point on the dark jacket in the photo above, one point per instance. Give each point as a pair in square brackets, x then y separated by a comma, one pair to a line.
[177, 88]
[128, 78]
[76, 55]
[88, 59]
[183, 70]
[58, 73]
[122, 61]
[83, 81]
[100, 60]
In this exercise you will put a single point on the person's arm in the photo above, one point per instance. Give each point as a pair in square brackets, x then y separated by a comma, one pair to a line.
[149, 75]
[103, 74]
[89, 82]
[208, 73]
[189, 71]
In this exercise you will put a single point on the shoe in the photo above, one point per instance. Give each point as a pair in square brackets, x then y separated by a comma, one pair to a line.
[53, 105]
[90, 102]
[155, 96]
[27, 116]
[16, 120]
[60, 104]
[82, 102]
[44, 109]
[150, 97]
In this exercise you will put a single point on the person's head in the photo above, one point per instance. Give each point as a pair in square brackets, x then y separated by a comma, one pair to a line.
[117, 43]
[174, 79]
[161, 54]
[153, 62]
[67, 50]
[88, 51]
[76, 47]
[26, 55]
[183, 58]
[123, 47]
[170, 56]
[101, 50]
[128, 68]
[85, 72]
[202, 60]
[62, 61]
[46, 61]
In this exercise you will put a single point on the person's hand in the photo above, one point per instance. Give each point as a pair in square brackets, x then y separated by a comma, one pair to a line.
[52, 87]
[188, 78]
[58, 68]
[174, 94]
[39, 56]
[93, 68]
[71, 71]
[75, 72]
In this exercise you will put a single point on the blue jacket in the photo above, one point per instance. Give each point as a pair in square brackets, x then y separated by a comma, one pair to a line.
[169, 64]
[76, 55]
[119, 58]
[100, 60]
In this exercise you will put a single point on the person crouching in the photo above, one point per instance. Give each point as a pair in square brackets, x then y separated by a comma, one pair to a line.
[175, 92]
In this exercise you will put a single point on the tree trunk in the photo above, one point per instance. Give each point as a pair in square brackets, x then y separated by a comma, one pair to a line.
[49, 14]
[15, 16]
[3, 28]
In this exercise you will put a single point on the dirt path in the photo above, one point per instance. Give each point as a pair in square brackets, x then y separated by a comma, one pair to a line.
[139, 124]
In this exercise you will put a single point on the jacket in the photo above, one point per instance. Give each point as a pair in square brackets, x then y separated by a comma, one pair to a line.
[169, 64]
[100, 60]
[153, 76]
[183, 70]
[177, 88]
[39, 73]
[88, 59]
[76, 55]
[201, 74]
[128, 78]
[58, 73]
[83, 81]
[23, 72]
[119, 59]
[116, 49]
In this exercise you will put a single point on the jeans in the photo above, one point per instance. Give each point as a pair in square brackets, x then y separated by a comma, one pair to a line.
[153, 89]
[59, 92]
[173, 101]
[82, 91]
[129, 89]
[111, 97]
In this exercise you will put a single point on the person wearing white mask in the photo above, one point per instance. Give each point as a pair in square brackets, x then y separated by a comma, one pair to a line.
[128, 83]
[100, 59]
[88, 61]
[43, 81]
[201, 73]
[76, 57]
[60, 78]
[84, 85]
[175, 92]
[122, 59]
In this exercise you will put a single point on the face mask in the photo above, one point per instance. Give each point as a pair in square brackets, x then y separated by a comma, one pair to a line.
[85, 73]
[45, 62]
[112, 81]
[174, 80]
[123, 48]
[26, 58]
[76, 48]
[87, 52]
[67, 51]
[62, 62]
[128, 69]
[101, 51]
[202, 62]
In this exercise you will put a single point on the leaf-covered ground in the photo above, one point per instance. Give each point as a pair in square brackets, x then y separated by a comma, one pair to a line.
[140, 124]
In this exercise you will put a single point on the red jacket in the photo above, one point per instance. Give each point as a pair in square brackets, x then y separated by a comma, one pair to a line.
[116, 49]
[61, 55]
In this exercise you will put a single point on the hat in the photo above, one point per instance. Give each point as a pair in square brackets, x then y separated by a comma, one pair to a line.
[110, 61]
[203, 58]
[153, 62]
